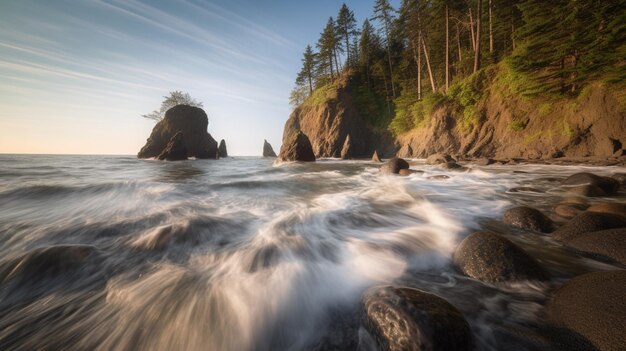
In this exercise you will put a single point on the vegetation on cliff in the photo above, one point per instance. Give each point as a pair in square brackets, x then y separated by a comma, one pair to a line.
[404, 63]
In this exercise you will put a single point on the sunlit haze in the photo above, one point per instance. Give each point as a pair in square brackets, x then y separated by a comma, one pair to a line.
[77, 75]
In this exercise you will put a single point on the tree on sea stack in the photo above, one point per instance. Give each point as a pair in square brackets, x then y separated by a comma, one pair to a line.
[175, 98]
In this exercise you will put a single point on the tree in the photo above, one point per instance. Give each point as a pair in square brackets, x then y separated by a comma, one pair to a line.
[367, 44]
[477, 54]
[298, 96]
[307, 73]
[175, 98]
[383, 12]
[327, 45]
[346, 27]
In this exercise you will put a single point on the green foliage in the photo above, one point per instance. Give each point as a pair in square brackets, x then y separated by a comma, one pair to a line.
[175, 98]
[517, 125]
[371, 106]
[411, 113]
[322, 95]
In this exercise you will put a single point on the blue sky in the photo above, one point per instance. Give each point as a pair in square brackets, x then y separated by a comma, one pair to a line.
[75, 76]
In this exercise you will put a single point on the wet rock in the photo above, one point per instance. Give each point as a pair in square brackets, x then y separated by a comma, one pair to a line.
[527, 218]
[587, 190]
[609, 207]
[575, 200]
[608, 244]
[407, 172]
[346, 150]
[588, 222]
[296, 147]
[438, 177]
[375, 157]
[524, 189]
[452, 166]
[268, 151]
[44, 262]
[593, 306]
[192, 122]
[485, 161]
[607, 184]
[402, 318]
[620, 177]
[221, 149]
[568, 211]
[438, 158]
[175, 149]
[490, 257]
[394, 165]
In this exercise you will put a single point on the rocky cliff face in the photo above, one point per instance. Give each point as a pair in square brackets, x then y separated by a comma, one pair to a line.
[328, 124]
[192, 123]
[592, 125]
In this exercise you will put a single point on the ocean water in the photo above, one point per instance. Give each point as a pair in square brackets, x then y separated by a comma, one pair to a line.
[116, 253]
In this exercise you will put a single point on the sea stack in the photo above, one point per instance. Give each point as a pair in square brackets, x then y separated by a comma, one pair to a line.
[223, 153]
[296, 147]
[192, 123]
[268, 151]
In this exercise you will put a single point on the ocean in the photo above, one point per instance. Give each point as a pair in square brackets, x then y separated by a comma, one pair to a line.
[117, 253]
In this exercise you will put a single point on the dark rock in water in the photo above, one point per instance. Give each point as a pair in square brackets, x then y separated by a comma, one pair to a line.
[296, 147]
[175, 149]
[402, 318]
[222, 152]
[593, 306]
[527, 218]
[568, 211]
[620, 177]
[588, 190]
[485, 161]
[407, 172]
[609, 207]
[452, 166]
[405, 151]
[608, 244]
[607, 184]
[394, 165]
[490, 257]
[44, 262]
[193, 123]
[438, 177]
[375, 157]
[438, 158]
[268, 151]
[524, 189]
[588, 222]
[346, 152]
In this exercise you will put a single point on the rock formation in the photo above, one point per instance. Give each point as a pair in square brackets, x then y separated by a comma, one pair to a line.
[192, 122]
[527, 218]
[268, 151]
[375, 157]
[346, 150]
[296, 147]
[394, 165]
[175, 149]
[222, 152]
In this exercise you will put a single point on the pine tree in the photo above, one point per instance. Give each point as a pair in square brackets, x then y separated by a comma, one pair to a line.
[346, 27]
[307, 73]
[383, 12]
[327, 46]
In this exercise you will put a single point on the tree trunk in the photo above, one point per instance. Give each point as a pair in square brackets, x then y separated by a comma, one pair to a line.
[347, 45]
[490, 30]
[393, 89]
[310, 85]
[332, 76]
[386, 91]
[447, 49]
[478, 30]
[472, 35]
[458, 42]
[430, 71]
[417, 56]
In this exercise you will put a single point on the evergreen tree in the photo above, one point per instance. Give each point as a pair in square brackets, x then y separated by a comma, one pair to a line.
[346, 27]
[327, 46]
[383, 12]
[307, 73]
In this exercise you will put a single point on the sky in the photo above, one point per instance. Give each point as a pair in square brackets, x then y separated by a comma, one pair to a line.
[76, 75]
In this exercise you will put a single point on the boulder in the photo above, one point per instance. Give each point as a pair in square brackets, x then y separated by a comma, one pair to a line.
[346, 152]
[568, 211]
[607, 184]
[394, 165]
[620, 177]
[221, 149]
[175, 149]
[608, 244]
[296, 147]
[609, 207]
[588, 222]
[528, 218]
[407, 172]
[452, 166]
[375, 157]
[485, 161]
[192, 122]
[400, 318]
[268, 151]
[438, 158]
[490, 257]
[593, 306]
[405, 151]
[588, 190]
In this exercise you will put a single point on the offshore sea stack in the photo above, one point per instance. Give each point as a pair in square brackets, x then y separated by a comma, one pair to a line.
[191, 122]
[268, 151]
[223, 153]
[296, 147]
